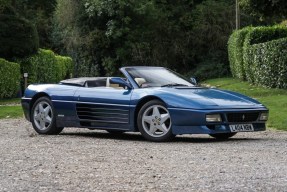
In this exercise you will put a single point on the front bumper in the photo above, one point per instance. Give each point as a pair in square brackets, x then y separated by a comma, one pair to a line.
[178, 130]
[192, 121]
[26, 107]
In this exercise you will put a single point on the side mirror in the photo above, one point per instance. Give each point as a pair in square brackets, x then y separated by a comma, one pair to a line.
[193, 81]
[120, 81]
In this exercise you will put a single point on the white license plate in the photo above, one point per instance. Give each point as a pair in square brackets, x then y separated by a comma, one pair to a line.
[241, 127]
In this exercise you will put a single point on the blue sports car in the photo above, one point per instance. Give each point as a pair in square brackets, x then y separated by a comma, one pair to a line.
[155, 101]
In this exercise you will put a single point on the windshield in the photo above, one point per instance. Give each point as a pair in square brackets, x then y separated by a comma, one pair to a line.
[156, 77]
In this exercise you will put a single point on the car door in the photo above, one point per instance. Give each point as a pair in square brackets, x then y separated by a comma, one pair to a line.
[103, 107]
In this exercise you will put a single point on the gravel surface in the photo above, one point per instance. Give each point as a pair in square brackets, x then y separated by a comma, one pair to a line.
[86, 160]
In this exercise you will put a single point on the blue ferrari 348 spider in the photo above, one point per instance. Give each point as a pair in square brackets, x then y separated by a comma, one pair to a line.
[155, 101]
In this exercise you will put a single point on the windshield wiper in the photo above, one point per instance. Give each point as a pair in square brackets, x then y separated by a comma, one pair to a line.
[173, 84]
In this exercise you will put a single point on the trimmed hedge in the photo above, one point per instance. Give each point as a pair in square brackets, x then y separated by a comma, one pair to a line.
[269, 63]
[46, 67]
[18, 37]
[9, 79]
[259, 55]
[235, 51]
[41, 67]
[65, 67]
[255, 36]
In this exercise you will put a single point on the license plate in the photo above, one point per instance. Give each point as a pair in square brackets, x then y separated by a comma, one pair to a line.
[241, 127]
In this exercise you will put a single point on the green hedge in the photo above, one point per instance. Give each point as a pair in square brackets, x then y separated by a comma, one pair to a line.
[269, 63]
[46, 67]
[9, 79]
[258, 55]
[65, 67]
[235, 52]
[255, 36]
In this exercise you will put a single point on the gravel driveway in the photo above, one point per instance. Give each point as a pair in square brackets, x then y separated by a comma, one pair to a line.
[85, 160]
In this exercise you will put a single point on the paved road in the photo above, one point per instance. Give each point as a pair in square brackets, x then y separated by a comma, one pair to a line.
[85, 160]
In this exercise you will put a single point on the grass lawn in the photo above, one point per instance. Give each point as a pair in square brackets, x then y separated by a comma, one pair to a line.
[274, 99]
[10, 101]
[10, 112]
[10, 108]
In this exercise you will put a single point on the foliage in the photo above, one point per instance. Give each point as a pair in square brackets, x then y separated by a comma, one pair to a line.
[46, 67]
[274, 99]
[268, 11]
[24, 40]
[102, 36]
[211, 29]
[9, 78]
[3, 5]
[284, 23]
[64, 67]
[258, 55]
[269, 63]
[209, 69]
[39, 13]
[250, 53]
[235, 52]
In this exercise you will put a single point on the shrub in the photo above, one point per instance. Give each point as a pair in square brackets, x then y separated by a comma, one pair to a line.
[65, 67]
[235, 52]
[269, 63]
[46, 67]
[9, 78]
[284, 23]
[18, 37]
[41, 67]
[209, 69]
[255, 36]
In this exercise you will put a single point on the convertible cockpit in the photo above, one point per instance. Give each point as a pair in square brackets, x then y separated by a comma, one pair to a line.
[97, 82]
[90, 82]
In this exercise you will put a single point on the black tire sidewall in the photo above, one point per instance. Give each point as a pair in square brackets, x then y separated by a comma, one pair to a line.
[168, 136]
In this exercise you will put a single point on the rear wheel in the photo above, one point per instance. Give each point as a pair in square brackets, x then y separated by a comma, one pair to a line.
[154, 121]
[43, 117]
[222, 136]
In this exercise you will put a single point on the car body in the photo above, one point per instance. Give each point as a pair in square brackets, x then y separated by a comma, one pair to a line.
[153, 100]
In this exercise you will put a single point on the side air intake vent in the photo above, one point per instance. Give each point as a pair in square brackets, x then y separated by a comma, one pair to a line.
[91, 114]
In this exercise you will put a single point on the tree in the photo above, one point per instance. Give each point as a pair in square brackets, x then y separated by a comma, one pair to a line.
[104, 35]
[18, 37]
[267, 11]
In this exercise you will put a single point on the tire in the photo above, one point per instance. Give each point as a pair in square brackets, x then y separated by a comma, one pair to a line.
[222, 136]
[43, 117]
[154, 121]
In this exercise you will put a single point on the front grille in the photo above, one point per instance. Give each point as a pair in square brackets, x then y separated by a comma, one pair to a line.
[242, 117]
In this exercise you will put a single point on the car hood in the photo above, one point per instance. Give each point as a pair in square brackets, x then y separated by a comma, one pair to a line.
[206, 98]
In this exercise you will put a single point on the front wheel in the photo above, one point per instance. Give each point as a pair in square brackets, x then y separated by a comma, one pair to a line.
[222, 136]
[154, 121]
[44, 118]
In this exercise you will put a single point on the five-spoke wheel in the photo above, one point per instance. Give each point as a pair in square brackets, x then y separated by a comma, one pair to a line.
[43, 117]
[154, 121]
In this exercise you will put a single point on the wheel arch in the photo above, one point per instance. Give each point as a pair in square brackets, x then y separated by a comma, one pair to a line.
[35, 98]
[139, 105]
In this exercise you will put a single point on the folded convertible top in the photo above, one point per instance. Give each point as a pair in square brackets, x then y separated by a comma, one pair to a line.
[80, 82]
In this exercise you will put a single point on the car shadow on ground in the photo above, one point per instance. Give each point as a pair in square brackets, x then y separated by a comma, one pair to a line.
[137, 137]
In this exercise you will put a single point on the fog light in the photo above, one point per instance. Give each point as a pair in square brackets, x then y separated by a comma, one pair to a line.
[263, 117]
[213, 118]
